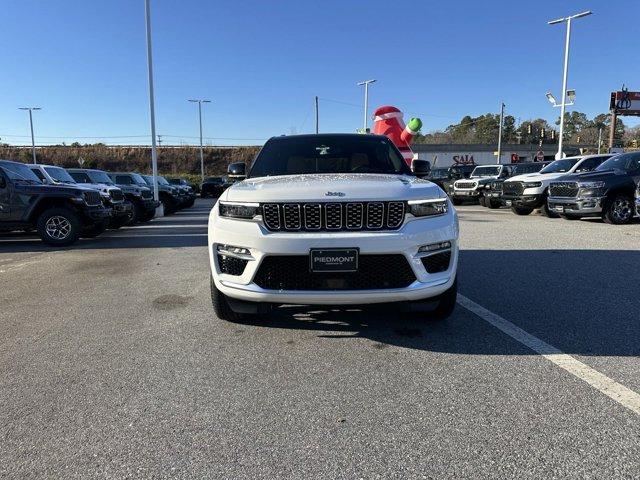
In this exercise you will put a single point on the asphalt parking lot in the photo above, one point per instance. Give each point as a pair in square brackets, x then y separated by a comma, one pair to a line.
[113, 365]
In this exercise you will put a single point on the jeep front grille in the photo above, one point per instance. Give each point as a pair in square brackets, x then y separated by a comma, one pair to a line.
[92, 198]
[333, 216]
[463, 185]
[563, 189]
[147, 194]
[116, 195]
[512, 188]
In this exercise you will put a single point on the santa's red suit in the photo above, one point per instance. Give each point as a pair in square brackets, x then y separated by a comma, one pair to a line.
[388, 121]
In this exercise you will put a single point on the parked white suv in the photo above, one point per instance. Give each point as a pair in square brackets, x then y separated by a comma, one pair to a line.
[332, 219]
[525, 193]
[473, 188]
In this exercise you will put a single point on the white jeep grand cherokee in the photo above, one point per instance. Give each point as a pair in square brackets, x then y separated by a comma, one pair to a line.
[332, 219]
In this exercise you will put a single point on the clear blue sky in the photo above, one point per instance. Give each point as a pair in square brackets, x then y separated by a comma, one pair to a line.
[261, 62]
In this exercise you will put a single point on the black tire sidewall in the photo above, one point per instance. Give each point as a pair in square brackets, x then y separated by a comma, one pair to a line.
[69, 215]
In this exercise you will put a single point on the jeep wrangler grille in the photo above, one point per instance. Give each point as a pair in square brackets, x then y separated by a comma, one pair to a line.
[333, 216]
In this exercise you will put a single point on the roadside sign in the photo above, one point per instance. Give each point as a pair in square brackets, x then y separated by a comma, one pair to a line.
[625, 103]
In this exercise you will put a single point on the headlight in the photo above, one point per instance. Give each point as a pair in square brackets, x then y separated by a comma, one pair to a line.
[532, 184]
[427, 208]
[239, 210]
[591, 184]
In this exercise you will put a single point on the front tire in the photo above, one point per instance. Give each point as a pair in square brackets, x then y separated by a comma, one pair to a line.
[522, 210]
[618, 211]
[446, 302]
[221, 306]
[493, 204]
[59, 226]
[94, 230]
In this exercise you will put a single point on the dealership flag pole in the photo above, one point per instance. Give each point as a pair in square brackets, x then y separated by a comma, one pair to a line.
[154, 154]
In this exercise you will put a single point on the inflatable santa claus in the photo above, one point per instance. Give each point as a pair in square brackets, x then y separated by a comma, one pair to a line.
[388, 121]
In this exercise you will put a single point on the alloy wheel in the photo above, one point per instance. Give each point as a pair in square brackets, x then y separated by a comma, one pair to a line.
[58, 227]
[622, 209]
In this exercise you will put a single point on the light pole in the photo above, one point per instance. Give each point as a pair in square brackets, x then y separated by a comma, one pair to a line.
[33, 141]
[565, 72]
[200, 102]
[366, 101]
[500, 133]
[152, 113]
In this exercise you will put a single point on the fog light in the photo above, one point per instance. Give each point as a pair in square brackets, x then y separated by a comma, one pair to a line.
[434, 246]
[232, 251]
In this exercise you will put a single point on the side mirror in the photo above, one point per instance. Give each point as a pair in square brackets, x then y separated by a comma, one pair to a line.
[421, 168]
[237, 170]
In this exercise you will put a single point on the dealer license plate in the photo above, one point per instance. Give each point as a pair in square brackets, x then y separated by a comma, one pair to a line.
[333, 260]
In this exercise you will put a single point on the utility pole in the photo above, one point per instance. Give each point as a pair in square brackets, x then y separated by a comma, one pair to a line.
[565, 73]
[317, 116]
[599, 139]
[500, 133]
[152, 113]
[159, 140]
[366, 102]
[612, 129]
[200, 102]
[33, 141]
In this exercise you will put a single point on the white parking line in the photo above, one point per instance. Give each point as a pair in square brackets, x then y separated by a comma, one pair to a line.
[621, 394]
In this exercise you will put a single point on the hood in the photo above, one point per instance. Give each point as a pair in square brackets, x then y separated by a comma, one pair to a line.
[68, 190]
[594, 176]
[332, 187]
[536, 177]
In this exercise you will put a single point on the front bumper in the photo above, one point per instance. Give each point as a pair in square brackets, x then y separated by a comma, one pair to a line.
[122, 209]
[530, 201]
[261, 243]
[149, 204]
[95, 213]
[462, 194]
[576, 205]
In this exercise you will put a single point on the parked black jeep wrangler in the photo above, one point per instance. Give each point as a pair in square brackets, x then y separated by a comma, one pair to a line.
[139, 194]
[493, 191]
[445, 176]
[60, 214]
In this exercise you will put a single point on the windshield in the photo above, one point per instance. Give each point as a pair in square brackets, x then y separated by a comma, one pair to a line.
[97, 176]
[176, 181]
[485, 172]
[439, 173]
[59, 174]
[18, 171]
[328, 154]
[161, 181]
[138, 180]
[560, 166]
[214, 180]
[627, 161]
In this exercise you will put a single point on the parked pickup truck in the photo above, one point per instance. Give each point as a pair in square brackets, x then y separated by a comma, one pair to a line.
[493, 191]
[473, 188]
[525, 193]
[607, 192]
[60, 213]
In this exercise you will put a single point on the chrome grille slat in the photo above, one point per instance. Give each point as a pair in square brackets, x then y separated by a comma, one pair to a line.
[333, 216]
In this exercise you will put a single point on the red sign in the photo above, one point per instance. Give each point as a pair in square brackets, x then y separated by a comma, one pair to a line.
[625, 103]
[515, 158]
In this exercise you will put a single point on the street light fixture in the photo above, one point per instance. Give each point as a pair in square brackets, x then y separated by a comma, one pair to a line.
[33, 141]
[563, 103]
[200, 102]
[366, 101]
